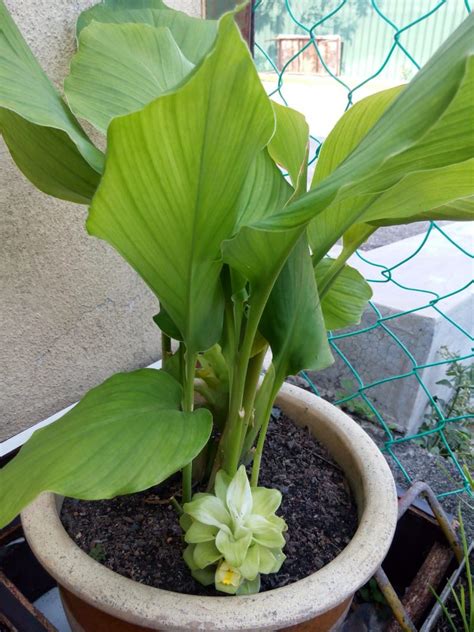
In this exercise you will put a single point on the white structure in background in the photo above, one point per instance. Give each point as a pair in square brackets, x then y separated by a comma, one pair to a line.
[439, 267]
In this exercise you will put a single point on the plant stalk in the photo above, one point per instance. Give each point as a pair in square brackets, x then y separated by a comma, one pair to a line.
[228, 452]
[334, 271]
[230, 440]
[176, 505]
[257, 459]
[188, 407]
[232, 443]
[251, 386]
[166, 351]
[260, 404]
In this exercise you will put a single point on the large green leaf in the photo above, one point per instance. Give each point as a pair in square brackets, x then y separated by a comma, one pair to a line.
[460, 208]
[425, 131]
[350, 129]
[292, 321]
[253, 254]
[344, 138]
[259, 256]
[194, 36]
[427, 128]
[346, 298]
[49, 159]
[265, 190]
[415, 197]
[172, 184]
[411, 199]
[124, 436]
[285, 298]
[119, 68]
[38, 127]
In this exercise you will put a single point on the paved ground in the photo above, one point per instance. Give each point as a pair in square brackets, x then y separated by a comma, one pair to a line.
[421, 465]
[389, 234]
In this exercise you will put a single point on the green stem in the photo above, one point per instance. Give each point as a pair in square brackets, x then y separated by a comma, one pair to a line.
[260, 406]
[176, 505]
[230, 444]
[333, 272]
[166, 352]
[228, 452]
[188, 407]
[454, 401]
[229, 345]
[251, 386]
[231, 438]
[181, 351]
[228, 341]
[210, 460]
[257, 459]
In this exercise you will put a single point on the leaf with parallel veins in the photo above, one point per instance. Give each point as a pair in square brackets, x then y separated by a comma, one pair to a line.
[45, 140]
[174, 174]
[119, 68]
[124, 436]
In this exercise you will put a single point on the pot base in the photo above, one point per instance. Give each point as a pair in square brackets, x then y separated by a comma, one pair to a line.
[83, 617]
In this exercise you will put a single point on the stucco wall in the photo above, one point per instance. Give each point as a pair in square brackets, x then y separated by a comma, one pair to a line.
[71, 311]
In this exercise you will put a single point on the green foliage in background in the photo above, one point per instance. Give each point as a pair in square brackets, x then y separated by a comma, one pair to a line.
[457, 404]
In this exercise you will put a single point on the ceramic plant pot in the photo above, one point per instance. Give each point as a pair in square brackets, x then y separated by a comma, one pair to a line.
[98, 600]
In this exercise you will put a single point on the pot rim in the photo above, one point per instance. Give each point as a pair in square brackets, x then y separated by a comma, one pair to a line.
[371, 482]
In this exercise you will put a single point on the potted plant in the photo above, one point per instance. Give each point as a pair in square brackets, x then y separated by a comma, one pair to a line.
[191, 193]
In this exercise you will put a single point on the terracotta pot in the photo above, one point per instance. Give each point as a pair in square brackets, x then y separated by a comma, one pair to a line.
[99, 600]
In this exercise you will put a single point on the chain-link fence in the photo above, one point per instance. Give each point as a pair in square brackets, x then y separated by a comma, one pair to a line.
[409, 365]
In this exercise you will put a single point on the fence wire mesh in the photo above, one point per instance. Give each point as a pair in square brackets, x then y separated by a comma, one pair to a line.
[379, 44]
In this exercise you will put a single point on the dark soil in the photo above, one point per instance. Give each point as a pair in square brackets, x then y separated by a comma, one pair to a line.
[440, 473]
[139, 535]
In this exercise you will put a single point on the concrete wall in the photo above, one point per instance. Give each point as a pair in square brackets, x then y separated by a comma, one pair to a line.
[71, 311]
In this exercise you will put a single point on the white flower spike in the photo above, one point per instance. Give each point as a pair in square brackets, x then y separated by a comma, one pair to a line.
[234, 535]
